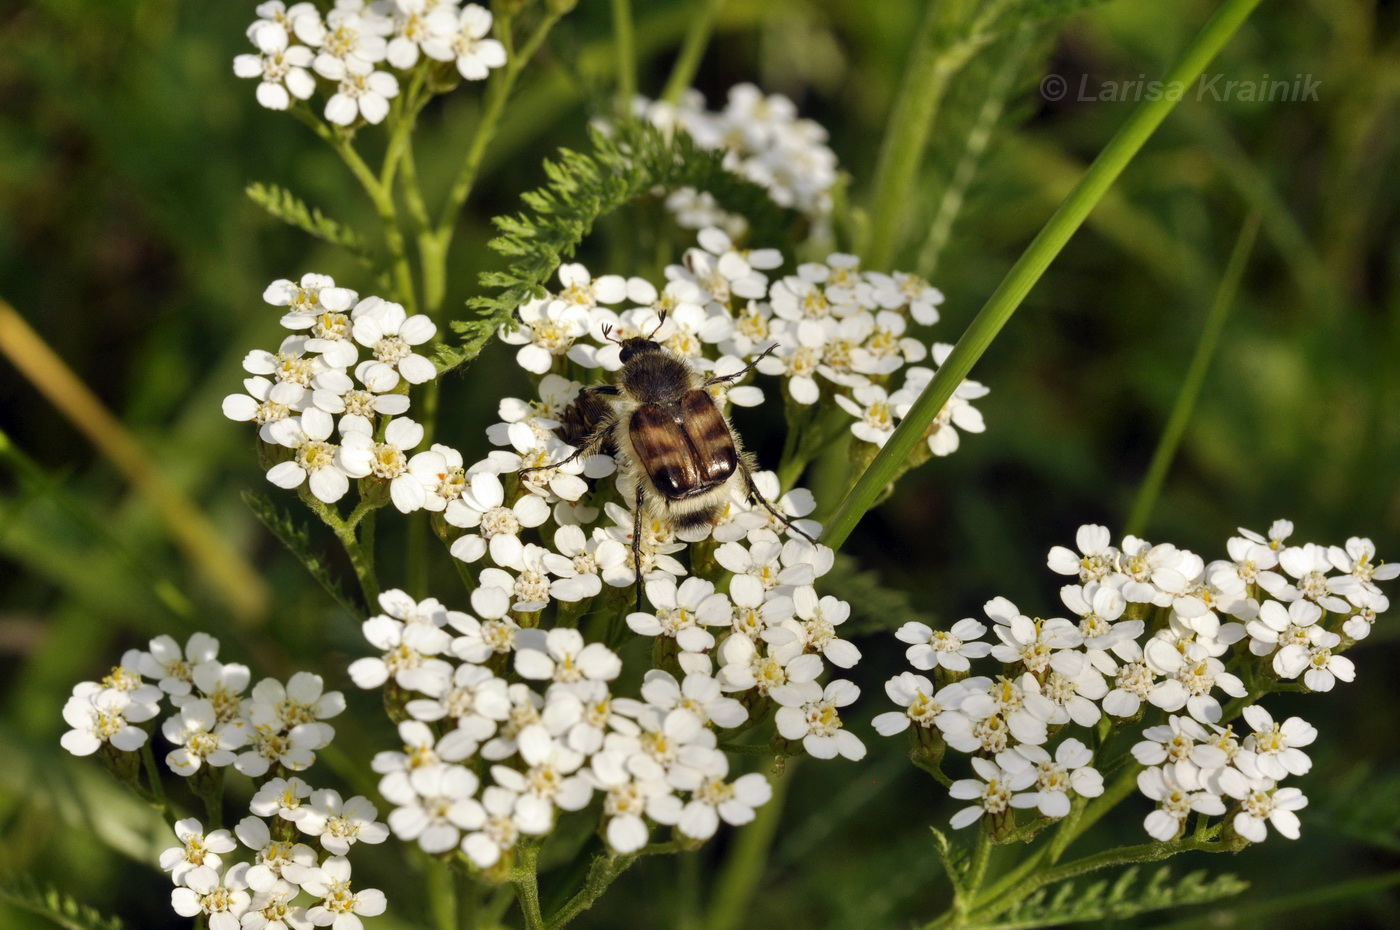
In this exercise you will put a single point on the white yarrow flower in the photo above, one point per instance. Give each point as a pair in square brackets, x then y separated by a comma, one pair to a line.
[282, 67]
[197, 849]
[951, 649]
[993, 789]
[461, 37]
[817, 722]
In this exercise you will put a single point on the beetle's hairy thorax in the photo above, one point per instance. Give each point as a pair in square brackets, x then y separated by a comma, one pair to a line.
[656, 378]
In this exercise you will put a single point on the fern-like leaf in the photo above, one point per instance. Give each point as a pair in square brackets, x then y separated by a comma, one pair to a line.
[582, 188]
[875, 607]
[1104, 900]
[298, 541]
[291, 209]
[62, 909]
[953, 858]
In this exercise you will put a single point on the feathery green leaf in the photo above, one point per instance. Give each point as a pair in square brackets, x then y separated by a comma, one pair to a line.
[875, 607]
[296, 539]
[582, 188]
[62, 909]
[1102, 900]
[291, 209]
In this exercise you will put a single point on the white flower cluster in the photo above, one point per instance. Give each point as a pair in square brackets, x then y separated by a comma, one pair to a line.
[535, 709]
[213, 723]
[511, 724]
[348, 46]
[1146, 625]
[272, 730]
[303, 394]
[763, 140]
[287, 884]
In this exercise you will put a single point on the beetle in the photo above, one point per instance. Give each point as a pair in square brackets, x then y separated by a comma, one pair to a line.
[672, 441]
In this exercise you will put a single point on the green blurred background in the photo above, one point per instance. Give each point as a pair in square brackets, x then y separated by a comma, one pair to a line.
[127, 243]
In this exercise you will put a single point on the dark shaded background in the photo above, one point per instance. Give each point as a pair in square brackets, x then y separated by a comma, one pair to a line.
[126, 241]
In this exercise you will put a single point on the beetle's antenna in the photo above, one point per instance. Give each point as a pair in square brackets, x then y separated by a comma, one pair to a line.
[607, 334]
[660, 322]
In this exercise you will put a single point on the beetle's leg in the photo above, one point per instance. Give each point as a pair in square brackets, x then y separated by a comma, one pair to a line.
[757, 495]
[637, 543]
[596, 440]
[726, 379]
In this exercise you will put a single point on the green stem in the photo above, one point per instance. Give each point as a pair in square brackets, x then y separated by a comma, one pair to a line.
[442, 895]
[941, 48]
[208, 786]
[697, 37]
[497, 906]
[976, 870]
[951, 203]
[527, 887]
[411, 102]
[433, 246]
[745, 866]
[470, 906]
[416, 548]
[1073, 827]
[602, 873]
[1005, 300]
[383, 199]
[625, 40]
[1068, 830]
[157, 790]
[689, 910]
[1175, 429]
[361, 556]
[435, 240]
[1013, 878]
[413, 196]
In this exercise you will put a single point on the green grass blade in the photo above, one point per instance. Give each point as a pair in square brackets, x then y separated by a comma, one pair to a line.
[1172, 433]
[1032, 264]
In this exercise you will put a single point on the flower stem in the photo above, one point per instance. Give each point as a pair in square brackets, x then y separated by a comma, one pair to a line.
[1007, 298]
[470, 907]
[955, 194]
[442, 894]
[602, 873]
[626, 43]
[976, 870]
[411, 103]
[697, 37]
[433, 245]
[527, 887]
[157, 790]
[1172, 433]
[360, 551]
[941, 48]
[744, 867]
[413, 196]
[1073, 827]
[382, 197]
[208, 786]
